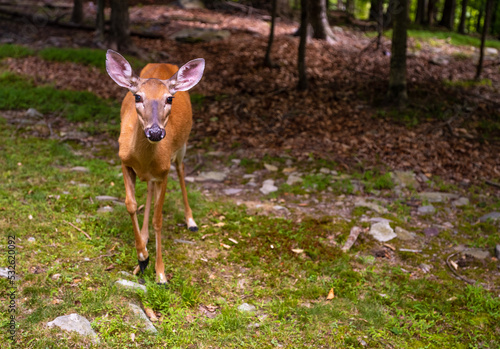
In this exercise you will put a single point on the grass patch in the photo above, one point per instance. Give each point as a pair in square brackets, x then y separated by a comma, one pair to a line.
[15, 51]
[19, 93]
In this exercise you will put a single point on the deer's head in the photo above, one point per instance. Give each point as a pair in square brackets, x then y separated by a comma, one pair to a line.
[153, 97]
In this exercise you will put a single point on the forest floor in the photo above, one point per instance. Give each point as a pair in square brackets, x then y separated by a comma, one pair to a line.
[278, 178]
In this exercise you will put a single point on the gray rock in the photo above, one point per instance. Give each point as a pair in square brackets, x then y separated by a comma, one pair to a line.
[439, 61]
[232, 191]
[130, 285]
[431, 231]
[324, 170]
[294, 179]
[404, 234]
[494, 216]
[337, 29]
[477, 253]
[211, 176]
[194, 35]
[404, 179]
[105, 209]
[360, 202]
[463, 201]
[271, 168]
[491, 51]
[80, 169]
[33, 113]
[428, 209]
[382, 231]
[141, 315]
[497, 251]
[246, 307]
[76, 323]
[268, 187]
[437, 196]
[182, 241]
[425, 267]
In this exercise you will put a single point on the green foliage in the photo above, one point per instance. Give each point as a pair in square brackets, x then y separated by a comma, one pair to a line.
[15, 51]
[19, 93]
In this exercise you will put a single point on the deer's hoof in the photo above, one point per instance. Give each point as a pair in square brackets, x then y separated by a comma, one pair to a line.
[143, 264]
[193, 229]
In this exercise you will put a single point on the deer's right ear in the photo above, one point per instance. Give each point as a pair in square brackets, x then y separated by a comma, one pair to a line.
[119, 70]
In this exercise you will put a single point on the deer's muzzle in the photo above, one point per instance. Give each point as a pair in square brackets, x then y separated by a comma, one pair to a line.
[155, 133]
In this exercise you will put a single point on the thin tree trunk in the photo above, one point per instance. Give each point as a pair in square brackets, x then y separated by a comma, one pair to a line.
[494, 18]
[486, 27]
[380, 22]
[99, 22]
[373, 15]
[463, 17]
[319, 21]
[302, 85]
[420, 12]
[267, 59]
[448, 18]
[77, 14]
[120, 31]
[431, 12]
[479, 19]
[397, 77]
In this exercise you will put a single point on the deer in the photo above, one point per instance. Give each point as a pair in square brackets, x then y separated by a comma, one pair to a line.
[156, 119]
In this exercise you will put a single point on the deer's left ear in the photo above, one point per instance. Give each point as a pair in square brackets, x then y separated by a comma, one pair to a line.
[119, 70]
[187, 76]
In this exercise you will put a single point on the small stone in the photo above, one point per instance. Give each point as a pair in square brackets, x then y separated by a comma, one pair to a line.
[79, 169]
[431, 231]
[437, 196]
[360, 202]
[268, 187]
[31, 239]
[232, 191]
[130, 285]
[442, 61]
[337, 29]
[33, 113]
[463, 201]
[404, 234]
[494, 216]
[324, 170]
[425, 268]
[294, 179]
[497, 251]
[247, 307]
[55, 277]
[125, 273]
[427, 209]
[477, 253]
[491, 51]
[211, 176]
[105, 209]
[382, 231]
[182, 241]
[106, 198]
[76, 323]
[404, 179]
[148, 325]
[236, 161]
[271, 168]
[289, 170]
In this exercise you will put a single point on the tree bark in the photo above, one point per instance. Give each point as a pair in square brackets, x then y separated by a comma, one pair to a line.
[448, 18]
[380, 22]
[99, 22]
[319, 21]
[431, 12]
[420, 12]
[479, 18]
[463, 17]
[486, 27]
[304, 21]
[120, 31]
[77, 14]
[267, 59]
[373, 15]
[397, 77]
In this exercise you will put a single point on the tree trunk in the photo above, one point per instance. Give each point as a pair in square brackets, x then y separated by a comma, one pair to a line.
[267, 59]
[479, 18]
[463, 17]
[420, 12]
[120, 32]
[380, 22]
[319, 21]
[349, 7]
[494, 18]
[340, 5]
[99, 22]
[397, 77]
[304, 22]
[486, 27]
[373, 15]
[448, 18]
[77, 14]
[431, 12]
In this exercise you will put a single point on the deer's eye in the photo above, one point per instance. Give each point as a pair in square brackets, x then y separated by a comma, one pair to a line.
[138, 99]
[170, 99]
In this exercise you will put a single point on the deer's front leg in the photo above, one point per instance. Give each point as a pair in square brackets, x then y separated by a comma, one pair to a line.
[129, 178]
[159, 191]
[179, 166]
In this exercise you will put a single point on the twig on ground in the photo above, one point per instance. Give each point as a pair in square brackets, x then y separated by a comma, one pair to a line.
[351, 239]
[494, 184]
[81, 231]
[457, 275]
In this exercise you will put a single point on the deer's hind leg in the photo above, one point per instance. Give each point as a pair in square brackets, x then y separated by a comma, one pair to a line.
[179, 166]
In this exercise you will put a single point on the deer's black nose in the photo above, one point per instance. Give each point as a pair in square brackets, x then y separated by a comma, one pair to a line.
[155, 133]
